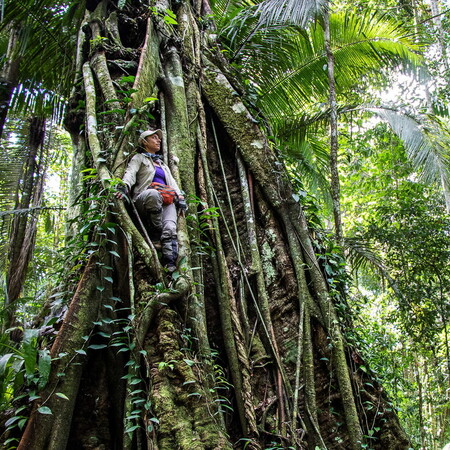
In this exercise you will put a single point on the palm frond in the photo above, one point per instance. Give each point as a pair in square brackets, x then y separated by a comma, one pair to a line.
[289, 12]
[225, 11]
[308, 118]
[31, 99]
[360, 254]
[244, 23]
[31, 210]
[309, 159]
[426, 140]
[362, 46]
[12, 156]
[47, 41]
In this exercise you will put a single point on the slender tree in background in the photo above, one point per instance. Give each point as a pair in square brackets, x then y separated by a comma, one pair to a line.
[334, 140]
[143, 361]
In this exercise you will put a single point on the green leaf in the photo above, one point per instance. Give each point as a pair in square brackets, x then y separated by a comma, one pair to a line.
[45, 410]
[11, 420]
[4, 361]
[97, 346]
[170, 21]
[112, 111]
[20, 409]
[30, 355]
[137, 391]
[44, 366]
[105, 335]
[61, 395]
[195, 394]
[127, 79]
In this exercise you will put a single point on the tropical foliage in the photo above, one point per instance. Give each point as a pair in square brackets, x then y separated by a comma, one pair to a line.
[390, 281]
[401, 283]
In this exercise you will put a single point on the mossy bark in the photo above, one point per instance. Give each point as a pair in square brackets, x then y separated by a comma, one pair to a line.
[184, 415]
[51, 431]
[231, 350]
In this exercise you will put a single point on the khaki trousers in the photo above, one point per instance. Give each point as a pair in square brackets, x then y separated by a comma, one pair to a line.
[161, 221]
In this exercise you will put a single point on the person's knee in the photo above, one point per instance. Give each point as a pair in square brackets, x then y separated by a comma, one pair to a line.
[149, 200]
[169, 230]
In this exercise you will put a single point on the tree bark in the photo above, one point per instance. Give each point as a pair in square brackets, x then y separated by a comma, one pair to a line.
[216, 355]
[9, 75]
[24, 226]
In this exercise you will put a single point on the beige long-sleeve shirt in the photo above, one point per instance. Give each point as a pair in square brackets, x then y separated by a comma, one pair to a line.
[140, 172]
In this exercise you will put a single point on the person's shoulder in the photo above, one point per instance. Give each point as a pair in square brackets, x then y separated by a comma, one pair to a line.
[138, 158]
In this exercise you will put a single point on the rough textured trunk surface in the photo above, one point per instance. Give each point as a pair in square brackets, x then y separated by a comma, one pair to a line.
[9, 74]
[24, 226]
[242, 347]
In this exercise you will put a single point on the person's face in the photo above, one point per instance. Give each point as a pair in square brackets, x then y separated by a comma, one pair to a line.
[152, 143]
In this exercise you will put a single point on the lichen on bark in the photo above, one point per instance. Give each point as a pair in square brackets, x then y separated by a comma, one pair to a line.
[230, 350]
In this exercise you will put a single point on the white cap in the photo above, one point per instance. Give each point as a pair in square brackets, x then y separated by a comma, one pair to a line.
[149, 133]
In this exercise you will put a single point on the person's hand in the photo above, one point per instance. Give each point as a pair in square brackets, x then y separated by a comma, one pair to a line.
[182, 205]
[121, 192]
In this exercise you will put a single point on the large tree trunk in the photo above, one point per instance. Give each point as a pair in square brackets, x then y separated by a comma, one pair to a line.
[242, 347]
[24, 224]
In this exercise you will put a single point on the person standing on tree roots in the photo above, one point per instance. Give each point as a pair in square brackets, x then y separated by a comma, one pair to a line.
[155, 194]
